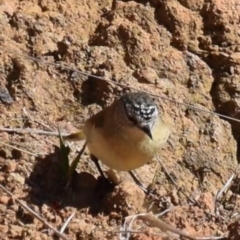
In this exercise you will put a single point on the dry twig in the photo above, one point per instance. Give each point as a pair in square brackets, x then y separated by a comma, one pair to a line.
[61, 65]
[19, 149]
[59, 234]
[30, 131]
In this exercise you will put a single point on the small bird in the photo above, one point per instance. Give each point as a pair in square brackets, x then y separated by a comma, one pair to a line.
[125, 135]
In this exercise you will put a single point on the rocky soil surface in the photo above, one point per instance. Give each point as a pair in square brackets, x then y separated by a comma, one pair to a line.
[185, 52]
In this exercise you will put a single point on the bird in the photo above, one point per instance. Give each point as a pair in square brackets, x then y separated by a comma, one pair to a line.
[125, 135]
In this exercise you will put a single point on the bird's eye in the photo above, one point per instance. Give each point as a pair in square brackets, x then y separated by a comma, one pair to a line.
[132, 119]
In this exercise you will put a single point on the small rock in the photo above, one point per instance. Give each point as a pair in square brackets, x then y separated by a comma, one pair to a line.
[8, 8]
[15, 231]
[175, 198]
[4, 136]
[5, 96]
[17, 177]
[4, 199]
[147, 75]
[3, 228]
[10, 166]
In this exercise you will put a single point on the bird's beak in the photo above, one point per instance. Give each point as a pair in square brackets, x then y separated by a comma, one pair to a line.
[147, 130]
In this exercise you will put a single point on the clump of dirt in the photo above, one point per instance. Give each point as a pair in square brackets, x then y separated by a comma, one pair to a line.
[126, 199]
[186, 50]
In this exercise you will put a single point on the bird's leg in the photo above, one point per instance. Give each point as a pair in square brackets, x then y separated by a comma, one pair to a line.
[138, 182]
[95, 160]
[104, 182]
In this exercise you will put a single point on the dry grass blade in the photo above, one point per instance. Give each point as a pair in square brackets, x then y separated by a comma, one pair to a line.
[75, 162]
[125, 231]
[67, 222]
[225, 189]
[152, 221]
[165, 211]
[227, 184]
[59, 234]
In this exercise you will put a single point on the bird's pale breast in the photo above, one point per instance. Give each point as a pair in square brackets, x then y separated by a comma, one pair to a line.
[126, 148]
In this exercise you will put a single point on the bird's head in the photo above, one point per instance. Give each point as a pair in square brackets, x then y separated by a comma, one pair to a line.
[141, 110]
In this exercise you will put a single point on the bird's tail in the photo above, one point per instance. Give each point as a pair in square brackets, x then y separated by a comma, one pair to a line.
[78, 136]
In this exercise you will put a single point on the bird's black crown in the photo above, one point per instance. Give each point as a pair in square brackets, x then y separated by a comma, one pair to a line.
[140, 108]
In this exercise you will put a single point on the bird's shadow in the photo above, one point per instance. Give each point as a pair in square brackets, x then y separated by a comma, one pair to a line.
[48, 185]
